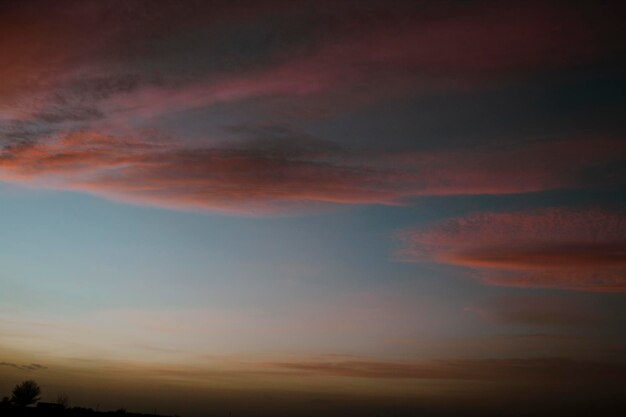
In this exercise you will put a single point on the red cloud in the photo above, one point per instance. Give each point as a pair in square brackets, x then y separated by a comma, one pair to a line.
[553, 248]
[361, 53]
[72, 71]
[361, 59]
[296, 172]
[166, 174]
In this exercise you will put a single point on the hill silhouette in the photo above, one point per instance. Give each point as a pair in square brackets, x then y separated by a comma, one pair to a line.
[24, 402]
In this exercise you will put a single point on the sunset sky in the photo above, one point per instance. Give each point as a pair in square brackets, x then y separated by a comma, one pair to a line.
[314, 208]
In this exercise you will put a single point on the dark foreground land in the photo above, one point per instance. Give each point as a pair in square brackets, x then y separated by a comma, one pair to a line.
[66, 412]
[617, 409]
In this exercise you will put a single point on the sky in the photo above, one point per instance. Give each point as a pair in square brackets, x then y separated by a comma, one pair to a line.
[355, 208]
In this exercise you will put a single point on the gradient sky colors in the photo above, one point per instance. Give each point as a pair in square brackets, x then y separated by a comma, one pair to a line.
[310, 208]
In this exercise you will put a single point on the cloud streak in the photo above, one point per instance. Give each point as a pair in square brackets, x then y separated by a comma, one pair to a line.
[570, 249]
[29, 367]
[537, 311]
[366, 58]
[541, 369]
[85, 92]
[287, 171]
[144, 65]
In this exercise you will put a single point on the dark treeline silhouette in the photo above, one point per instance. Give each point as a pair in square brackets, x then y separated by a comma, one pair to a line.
[25, 402]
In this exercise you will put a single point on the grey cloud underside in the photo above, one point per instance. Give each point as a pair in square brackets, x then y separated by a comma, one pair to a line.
[28, 367]
[543, 369]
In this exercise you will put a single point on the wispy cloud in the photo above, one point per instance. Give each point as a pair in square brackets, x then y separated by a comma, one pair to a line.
[546, 311]
[84, 92]
[551, 248]
[286, 171]
[357, 42]
[73, 62]
[544, 369]
[474, 369]
[27, 367]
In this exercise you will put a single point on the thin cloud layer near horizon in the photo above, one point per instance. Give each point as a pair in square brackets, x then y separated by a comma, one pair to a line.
[314, 208]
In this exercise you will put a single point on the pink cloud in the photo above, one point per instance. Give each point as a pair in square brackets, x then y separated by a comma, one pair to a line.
[61, 90]
[362, 60]
[582, 250]
[298, 175]
[77, 98]
[357, 57]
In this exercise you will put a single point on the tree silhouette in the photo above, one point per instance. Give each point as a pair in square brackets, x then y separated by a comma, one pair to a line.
[26, 393]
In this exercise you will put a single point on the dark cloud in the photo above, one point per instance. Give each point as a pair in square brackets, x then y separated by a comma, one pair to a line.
[556, 255]
[543, 311]
[538, 369]
[275, 169]
[28, 367]
[68, 114]
[94, 70]
[292, 47]
[281, 141]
